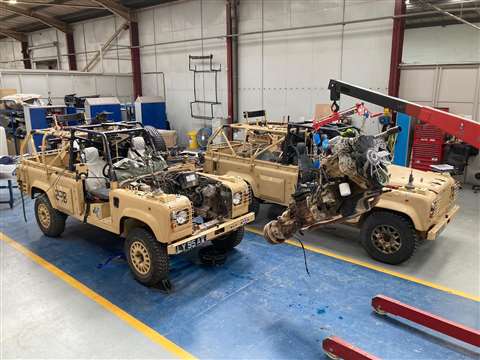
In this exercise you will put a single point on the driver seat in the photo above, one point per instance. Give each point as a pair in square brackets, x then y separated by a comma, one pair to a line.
[95, 183]
[137, 151]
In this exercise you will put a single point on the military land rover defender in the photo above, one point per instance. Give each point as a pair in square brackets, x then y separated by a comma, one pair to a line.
[111, 176]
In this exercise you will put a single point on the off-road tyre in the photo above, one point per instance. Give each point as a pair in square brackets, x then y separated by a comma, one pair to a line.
[157, 138]
[254, 204]
[49, 220]
[389, 225]
[229, 241]
[140, 242]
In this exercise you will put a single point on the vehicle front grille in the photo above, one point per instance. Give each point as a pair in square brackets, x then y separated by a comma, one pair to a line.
[444, 203]
[246, 197]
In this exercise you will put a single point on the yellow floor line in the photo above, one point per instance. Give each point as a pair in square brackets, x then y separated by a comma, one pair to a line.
[375, 267]
[168, 345]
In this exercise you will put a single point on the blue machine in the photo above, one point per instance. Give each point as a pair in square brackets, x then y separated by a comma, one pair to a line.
[94, 106]
[40, 117]
[71, 110]
[403, 137]
[151, 110]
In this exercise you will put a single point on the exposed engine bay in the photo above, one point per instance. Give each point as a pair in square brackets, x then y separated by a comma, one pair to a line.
[347, 182]
[210, 198]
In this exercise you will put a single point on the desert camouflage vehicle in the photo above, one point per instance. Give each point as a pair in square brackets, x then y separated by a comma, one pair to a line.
[277, 160]
[110, 176]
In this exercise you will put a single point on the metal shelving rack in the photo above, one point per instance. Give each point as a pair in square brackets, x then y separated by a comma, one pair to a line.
[210, 69]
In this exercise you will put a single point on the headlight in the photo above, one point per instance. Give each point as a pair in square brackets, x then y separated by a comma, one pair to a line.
[181, 217]
[237, 198]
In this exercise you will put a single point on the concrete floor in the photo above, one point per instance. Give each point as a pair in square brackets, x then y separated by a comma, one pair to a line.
[452, 260]
[42, 317]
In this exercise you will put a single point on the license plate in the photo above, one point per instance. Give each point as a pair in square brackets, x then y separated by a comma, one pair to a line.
[191, 244]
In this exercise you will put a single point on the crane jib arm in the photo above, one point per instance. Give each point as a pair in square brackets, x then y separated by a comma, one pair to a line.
[462, 128]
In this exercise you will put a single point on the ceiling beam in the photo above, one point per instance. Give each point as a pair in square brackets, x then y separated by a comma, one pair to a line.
[13, 34]
[47, 20]
[116, 8]
[458, 18]
[55, 4]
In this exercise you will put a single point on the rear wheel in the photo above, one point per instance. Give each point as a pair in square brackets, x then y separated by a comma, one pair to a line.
[388, 237]
[147, 258]
[49, 220]
[229, 241]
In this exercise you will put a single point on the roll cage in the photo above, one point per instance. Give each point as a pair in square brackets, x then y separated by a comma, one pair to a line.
[103, 136]
[287, 135]
[107, 137]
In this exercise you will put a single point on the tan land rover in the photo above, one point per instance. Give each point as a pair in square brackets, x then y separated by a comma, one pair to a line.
[111, 176]
[276, 158]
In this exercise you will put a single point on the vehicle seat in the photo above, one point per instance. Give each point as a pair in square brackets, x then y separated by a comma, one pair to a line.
[137, 150]
[95, 183]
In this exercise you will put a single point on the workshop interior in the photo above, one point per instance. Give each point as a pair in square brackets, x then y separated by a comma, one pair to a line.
[240, 179]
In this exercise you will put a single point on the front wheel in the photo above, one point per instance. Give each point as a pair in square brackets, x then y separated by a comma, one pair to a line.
[49, 220]
[147, 258]
[229, 241]
[388, 237]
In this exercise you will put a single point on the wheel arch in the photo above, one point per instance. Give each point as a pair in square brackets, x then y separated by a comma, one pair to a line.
[247, 178]
[402, 209]
[39, 188]
[128, 223]
[377, 209]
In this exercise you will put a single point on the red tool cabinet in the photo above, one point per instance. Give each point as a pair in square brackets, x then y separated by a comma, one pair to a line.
[427, 148]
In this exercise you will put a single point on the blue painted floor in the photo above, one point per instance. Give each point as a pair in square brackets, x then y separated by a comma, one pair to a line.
[261, 303]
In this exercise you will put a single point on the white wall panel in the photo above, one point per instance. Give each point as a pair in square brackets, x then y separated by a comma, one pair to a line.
[458, 85]
[12, 82]
[89, 35]
[441, 44]
[106, 85]
[84, 84]
[297, 65]
[60, 83]
[313, 12]
[31, 83]
[417, 84]
[10, 50]
[183, 21]
[443, 86]
[48, 37]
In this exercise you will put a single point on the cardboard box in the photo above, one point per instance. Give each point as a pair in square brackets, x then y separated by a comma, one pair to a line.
[170, 137]
[5, 92]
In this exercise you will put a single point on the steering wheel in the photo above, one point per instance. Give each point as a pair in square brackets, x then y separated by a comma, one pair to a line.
[106, 168]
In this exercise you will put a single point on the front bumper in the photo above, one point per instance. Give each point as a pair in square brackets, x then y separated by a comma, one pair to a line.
[209, 234]
[433, 233]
